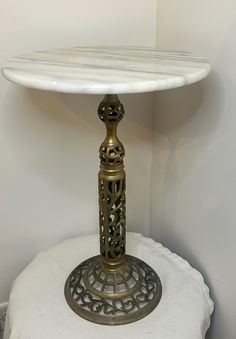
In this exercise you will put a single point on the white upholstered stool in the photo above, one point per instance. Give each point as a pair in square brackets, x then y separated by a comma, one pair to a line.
[38, 309]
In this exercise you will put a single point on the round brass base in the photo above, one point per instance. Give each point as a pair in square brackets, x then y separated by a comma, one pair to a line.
[113, 297]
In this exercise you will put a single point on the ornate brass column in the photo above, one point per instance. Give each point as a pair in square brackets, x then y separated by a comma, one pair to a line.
[112, 288]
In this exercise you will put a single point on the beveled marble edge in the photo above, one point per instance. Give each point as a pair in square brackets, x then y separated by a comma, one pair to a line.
[69, 87]
[106, 70]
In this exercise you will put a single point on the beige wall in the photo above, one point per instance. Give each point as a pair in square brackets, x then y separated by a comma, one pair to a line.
[49, 142]
[194, 152]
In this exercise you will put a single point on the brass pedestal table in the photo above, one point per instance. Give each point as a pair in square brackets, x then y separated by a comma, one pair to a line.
[111, 288]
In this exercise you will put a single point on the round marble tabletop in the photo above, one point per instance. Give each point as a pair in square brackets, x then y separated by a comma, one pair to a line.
[106, 70]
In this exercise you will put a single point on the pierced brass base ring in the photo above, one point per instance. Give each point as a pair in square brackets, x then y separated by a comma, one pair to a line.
[113, 297]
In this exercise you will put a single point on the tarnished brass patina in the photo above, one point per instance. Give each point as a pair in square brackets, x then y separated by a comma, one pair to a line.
[112, 288]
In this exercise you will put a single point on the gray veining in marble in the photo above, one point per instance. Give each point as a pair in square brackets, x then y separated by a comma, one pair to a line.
[106, 70]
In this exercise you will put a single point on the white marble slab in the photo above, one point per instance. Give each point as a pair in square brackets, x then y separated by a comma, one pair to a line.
[106, 70]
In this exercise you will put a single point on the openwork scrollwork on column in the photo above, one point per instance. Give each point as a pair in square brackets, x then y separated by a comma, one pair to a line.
[111, 182]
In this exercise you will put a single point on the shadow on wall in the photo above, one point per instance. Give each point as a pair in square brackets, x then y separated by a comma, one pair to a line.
[186, 121]
[183, 130]
[46, 135]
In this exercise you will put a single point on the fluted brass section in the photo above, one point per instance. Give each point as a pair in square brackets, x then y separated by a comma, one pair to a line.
[111, 185]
